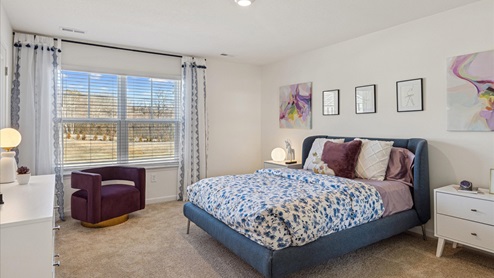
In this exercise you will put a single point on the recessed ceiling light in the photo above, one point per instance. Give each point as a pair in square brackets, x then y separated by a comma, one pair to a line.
[244, 3]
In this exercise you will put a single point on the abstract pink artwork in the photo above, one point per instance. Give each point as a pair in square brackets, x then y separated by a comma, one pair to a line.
[295, 106]
[471, 92]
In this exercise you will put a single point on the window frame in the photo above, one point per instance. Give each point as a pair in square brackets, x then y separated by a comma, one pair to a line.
[122, 123]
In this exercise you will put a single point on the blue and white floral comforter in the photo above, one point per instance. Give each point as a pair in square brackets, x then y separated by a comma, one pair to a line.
[278, 208]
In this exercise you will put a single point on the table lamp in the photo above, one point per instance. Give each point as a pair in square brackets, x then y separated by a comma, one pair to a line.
[9, 139]
[278, 154]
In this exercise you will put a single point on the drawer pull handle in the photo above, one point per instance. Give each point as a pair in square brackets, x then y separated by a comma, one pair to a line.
[56, 228]
[56, 256]
[57, 263]
[56, 207]
[473, 234]
[473, 210]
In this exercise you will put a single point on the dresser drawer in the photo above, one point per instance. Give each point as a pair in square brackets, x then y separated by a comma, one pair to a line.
[467, 232]
[465, 207]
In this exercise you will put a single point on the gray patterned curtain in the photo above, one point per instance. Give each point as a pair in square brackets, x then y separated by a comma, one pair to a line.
[193, 126]
[33, 107]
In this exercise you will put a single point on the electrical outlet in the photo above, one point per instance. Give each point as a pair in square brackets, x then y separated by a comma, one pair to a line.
[153, 178]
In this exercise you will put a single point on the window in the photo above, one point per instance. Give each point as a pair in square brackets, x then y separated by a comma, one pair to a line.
[117, 119]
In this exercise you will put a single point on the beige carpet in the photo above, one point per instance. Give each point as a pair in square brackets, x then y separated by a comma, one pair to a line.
[153, 243]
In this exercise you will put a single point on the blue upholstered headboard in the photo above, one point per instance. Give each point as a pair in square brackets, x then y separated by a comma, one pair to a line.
[421, 191]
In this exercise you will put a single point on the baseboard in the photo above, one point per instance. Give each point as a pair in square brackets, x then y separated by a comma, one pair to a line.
[418, 230]
[161, 199]
[148, 201]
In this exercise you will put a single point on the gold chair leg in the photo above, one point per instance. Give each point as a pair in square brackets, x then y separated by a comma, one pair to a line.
[107, 223]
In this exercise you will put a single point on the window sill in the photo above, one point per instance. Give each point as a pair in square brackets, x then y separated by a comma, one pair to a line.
[148, 166]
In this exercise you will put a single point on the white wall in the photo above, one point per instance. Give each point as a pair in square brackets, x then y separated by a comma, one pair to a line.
[418, 49]
[234, 113]
[6, 43]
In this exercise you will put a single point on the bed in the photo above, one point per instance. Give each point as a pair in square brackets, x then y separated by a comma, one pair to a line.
[279, 263]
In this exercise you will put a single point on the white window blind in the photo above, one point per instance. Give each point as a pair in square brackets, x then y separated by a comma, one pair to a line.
[117, 119]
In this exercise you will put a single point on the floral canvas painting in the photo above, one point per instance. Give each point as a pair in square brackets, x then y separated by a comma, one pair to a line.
[295, 106]
[471, 92]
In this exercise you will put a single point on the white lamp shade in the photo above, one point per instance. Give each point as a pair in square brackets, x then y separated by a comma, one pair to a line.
[9, 138]
[278, 154]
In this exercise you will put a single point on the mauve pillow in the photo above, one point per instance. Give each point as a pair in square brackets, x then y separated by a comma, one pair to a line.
[342, 157]
[400, 166]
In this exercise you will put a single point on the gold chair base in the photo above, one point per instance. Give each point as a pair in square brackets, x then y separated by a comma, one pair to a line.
[107, 223]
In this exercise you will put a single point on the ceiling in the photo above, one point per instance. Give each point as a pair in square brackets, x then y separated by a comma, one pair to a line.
[265, 32]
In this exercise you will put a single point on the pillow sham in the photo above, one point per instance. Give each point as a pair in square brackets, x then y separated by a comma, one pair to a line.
[342, 157]
[316, 151]
[373, 159]
[400, 166]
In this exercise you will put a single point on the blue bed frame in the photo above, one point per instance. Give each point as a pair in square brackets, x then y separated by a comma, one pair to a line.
[279, 263]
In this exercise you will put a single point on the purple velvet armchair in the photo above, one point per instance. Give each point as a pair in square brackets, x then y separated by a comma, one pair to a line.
[99, 206]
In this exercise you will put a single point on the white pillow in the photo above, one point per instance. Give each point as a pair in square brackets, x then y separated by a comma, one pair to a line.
[321, 167]
[317, 148]
[373, 159]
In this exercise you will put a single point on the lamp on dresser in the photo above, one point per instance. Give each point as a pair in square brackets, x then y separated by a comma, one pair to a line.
[9, 139]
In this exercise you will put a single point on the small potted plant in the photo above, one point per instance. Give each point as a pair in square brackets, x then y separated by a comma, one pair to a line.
[23, 175]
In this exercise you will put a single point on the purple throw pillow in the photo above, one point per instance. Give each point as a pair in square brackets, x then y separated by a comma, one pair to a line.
[400, 166]
[342, 157]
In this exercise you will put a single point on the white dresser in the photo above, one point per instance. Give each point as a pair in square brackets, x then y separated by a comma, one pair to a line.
[464, 218]
[27, 228]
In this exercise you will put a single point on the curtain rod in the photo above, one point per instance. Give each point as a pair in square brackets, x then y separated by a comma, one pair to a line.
[116, 47]
[121, 48]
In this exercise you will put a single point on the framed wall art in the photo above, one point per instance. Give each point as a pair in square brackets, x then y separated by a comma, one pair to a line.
[409, 95]
[331, 102]
[365, 99]
[470, 92]
[295, 106]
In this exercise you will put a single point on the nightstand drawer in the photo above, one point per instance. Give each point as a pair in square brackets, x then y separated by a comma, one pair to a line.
[281, 164]
[465, 207]
[467, 232]
[273, 165]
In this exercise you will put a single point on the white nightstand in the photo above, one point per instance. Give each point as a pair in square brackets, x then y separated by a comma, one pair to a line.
[464, 218]
[275, 164]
